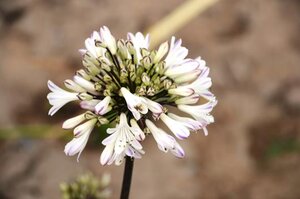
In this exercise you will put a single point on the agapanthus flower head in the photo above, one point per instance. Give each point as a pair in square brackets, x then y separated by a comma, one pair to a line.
[131, 87]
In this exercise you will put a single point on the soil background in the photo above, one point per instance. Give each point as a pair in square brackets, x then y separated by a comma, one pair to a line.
[253, 50]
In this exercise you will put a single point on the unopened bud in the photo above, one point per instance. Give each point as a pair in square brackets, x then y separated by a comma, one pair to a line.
[85, 96]
[98, 86]
[145, 79]
[150, 91]
[147, 131]
[107, 78]
[122, 50]
[167, 83]
[146, 62]
[103, 120]
[130, 47]
[89, 115]
[131, 68]
[83, 74]
[107, 92]
[141, 90]
[145, 52]
[160, 67]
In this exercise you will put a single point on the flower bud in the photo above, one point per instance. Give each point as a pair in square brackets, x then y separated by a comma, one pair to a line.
[146, 62]
[84, 96]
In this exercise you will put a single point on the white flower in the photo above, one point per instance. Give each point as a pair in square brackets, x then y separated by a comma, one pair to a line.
[103, 107]
[134, 103]
[165, 142]
[108, 40]
[59, 97]
[200, 112]
[121, 142]
[178, 129]
[90, 45]
[176, 54]
[82, 133]
[139, 42]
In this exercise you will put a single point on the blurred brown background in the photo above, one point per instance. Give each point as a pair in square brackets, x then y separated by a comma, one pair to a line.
[253, 49]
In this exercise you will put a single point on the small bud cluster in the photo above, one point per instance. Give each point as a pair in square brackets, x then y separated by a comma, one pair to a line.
[87, 186]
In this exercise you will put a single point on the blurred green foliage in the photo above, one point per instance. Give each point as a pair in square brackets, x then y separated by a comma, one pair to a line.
[282, 146]
[31, 131]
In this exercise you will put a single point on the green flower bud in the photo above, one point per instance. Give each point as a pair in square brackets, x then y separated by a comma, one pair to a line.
[89, 115]
[83, 74]
[146, 62]
[144, 52]
[98, 86]
[167, 84]
[122, 50]
[150, 91]
[141, 90]
[107, 78]
[103, 120]
[84, 96]
[145, 79]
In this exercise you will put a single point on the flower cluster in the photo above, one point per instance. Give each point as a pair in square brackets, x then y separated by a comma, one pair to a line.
[127, 85]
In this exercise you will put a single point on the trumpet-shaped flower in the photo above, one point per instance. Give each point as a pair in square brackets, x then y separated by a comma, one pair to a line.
[59, 97]
[134, 103]
[121, 142]
[82, 133]
[165, 142]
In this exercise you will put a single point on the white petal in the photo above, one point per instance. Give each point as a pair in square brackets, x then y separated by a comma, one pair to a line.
[85, 128]
[181, 91]
[136, 130]
[188, 66]
[70, 84]
[103, 107]
[59, 97]
[188, 100]
[187, 77]
[153, 106]
[108, 39]
[72, 122]
[106, 154]
[134, 103]
[164, 141]
[162, 50]
[188, 122]
[76, 146]
[176, 54]
[84, 83]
